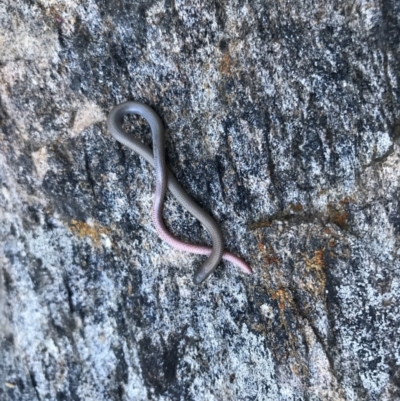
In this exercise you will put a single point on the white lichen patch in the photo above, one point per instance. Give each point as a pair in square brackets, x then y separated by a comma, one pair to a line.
[87, 114]
[40, 160]
[26, 46]
[267, 311]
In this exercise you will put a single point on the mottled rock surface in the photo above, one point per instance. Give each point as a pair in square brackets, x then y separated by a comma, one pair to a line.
[282, 120]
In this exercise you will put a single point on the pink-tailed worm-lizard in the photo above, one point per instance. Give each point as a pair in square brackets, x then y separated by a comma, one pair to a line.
[164, 179]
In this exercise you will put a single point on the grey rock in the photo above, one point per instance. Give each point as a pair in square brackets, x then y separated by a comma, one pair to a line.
[282, 120]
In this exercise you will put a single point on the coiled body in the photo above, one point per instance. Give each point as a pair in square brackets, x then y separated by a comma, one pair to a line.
[164, 179]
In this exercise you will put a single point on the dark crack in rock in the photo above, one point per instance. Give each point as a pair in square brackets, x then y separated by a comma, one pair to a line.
[282, 120]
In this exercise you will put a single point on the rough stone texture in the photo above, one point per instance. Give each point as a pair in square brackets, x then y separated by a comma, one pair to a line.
[282, 120]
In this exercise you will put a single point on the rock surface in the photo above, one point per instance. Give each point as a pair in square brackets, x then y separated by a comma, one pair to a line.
[282, 120]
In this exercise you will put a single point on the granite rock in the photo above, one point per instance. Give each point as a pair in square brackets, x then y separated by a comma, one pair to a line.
[282, 120]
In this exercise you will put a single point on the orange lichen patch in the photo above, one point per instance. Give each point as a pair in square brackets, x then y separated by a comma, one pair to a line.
[226, 64]
[268, 253]
[317, 262]
[338, 217]
[337, 213]
[260, 224]
[331, 243]
[93, 231]
[346, 200]
[315, 281]
[296, 207]
[271, 259]
[282, 296]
